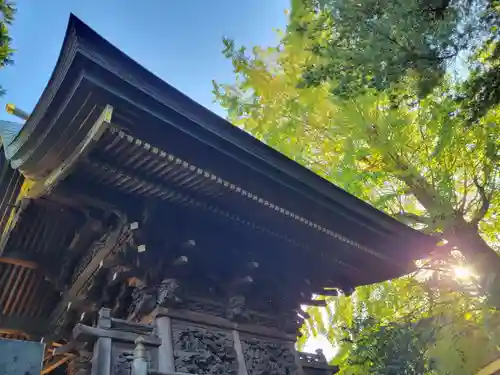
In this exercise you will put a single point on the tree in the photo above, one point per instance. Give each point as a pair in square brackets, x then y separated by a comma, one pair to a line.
[482, 90]
[417, 161]
[7, 12]
[414, 157]
[427, 323]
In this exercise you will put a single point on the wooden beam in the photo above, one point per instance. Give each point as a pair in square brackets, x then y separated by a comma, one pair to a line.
[102, 253]
[321, 303]
[214, 321]
[68, 164]
[329, 292]
[79, 192]
[84, 333]
[19, 262]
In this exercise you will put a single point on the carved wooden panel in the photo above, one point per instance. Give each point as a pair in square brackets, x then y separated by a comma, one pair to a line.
[82, 364]
[200, 350]
[264, 357]
[235, 309]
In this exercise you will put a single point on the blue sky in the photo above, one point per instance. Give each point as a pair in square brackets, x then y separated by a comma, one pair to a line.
[180, 41]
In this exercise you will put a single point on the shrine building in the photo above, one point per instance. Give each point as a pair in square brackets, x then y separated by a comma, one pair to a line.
[136, 225]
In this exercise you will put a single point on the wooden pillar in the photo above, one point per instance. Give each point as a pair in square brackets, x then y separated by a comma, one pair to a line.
[101, 360]
[296, 356]
[166, 350]
[242, 368]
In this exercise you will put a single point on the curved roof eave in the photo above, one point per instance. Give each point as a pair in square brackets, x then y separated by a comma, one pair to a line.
[81, 43]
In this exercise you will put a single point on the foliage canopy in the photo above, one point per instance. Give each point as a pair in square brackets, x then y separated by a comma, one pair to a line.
[356, 109]
[7, 12]
[377, 43]
[416, 161]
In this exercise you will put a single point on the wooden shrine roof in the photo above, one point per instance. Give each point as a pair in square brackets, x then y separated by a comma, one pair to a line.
[105, 121]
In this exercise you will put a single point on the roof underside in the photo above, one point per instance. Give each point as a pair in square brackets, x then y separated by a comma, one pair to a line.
[161, 145]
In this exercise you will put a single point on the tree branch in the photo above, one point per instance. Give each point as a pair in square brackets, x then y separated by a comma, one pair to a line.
[464, 198]
[417, 184]
[425, 193]
[404, 216]
[485, 203]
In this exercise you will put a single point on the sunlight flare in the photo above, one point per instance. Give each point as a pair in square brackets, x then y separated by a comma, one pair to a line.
[463, 273]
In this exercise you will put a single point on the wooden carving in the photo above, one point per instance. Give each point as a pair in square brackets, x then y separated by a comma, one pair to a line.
[145, 298]
[144, 301]
[169, 293]
[268, 358]
[81, 364]
[123, 363]
[237, 309]
[198, 351]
